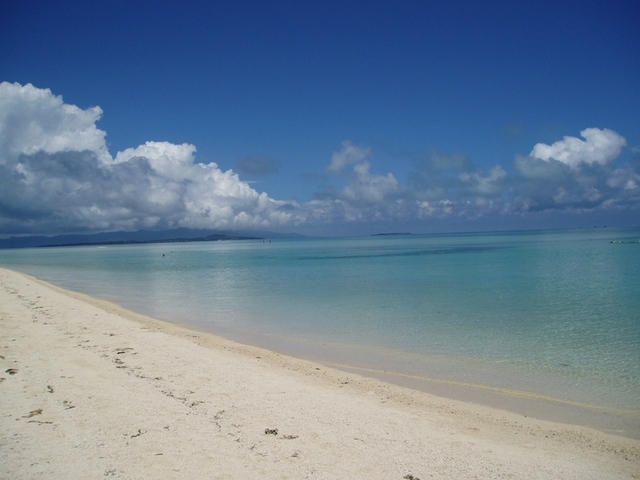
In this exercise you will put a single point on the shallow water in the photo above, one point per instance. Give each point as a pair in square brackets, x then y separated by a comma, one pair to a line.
[553, 313]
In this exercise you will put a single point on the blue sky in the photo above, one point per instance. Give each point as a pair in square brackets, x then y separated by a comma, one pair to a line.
[320, 117]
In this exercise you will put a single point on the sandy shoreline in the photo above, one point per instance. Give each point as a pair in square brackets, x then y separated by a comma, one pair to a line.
[374, 364]
[90, 390]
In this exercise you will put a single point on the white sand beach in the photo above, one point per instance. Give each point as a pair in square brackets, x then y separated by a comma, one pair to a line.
[91, 390]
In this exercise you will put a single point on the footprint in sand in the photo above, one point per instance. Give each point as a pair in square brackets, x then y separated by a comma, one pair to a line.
[33, 413]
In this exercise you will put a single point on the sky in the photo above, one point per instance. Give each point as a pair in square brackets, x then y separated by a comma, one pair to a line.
[322, 118]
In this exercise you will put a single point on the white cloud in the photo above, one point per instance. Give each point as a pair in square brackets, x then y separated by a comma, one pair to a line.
[166, 158]
[56, 174]
[33, 120]
[574, 175]
[599, 146]
[349, 155]
[370, 188]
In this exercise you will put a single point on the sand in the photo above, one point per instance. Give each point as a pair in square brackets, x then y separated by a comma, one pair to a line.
[91, 390]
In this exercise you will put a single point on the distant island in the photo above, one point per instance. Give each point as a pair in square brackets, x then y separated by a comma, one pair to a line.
[179, 235]
[392, 233]
[209, 238]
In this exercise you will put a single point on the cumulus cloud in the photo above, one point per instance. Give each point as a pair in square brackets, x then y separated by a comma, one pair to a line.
[599, 146]
[370, 188]
[56, 174]
[348, 155]
[34, 120]
[575, 175]
[571, 175]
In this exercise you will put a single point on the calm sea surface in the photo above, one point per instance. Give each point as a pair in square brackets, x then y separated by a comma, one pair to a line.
[555, 313]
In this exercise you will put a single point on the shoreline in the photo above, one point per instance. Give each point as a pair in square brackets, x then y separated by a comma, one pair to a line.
[100, 390]
[528, 403]
[455, 352]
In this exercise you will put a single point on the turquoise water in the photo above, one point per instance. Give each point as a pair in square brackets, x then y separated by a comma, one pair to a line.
[553, 313]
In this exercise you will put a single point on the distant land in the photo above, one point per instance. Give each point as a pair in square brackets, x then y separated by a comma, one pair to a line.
[209, 238]
[179, 235]
[392, 233]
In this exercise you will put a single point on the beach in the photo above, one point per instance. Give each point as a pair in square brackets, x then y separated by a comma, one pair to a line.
[92, 390]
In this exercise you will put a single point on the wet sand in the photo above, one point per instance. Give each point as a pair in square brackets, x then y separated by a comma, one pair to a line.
[91, 390]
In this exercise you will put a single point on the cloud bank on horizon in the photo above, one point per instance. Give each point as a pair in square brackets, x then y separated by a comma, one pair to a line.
[57, 175]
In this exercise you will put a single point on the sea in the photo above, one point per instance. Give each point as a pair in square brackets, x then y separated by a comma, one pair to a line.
[545, 323]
